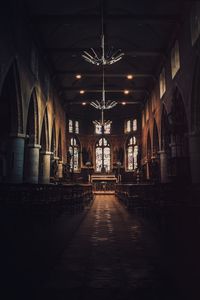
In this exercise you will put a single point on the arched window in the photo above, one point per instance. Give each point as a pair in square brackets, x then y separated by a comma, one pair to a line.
[103, 156]
[132, 154]
[74, 149]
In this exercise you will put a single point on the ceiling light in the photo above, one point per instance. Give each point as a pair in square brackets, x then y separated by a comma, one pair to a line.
[78, 76]
[83, 103]
[82, 92]
[105, 57]
[129, 76]
[126, 92]
[123, 103]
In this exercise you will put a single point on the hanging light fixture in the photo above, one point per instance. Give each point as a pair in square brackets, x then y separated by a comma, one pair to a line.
[106, 57]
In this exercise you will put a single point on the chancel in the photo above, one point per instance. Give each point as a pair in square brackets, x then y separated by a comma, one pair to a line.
[100, 149]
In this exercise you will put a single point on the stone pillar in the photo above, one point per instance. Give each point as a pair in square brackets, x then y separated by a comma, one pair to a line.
[148, 169]
[176, 150]
[194, 149]
[60, 169]
[45, 157]
[32, 163]
[163, 167]
[15, 158]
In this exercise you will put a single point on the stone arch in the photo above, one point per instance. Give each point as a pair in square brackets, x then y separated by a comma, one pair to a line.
[45, 154]
[155, 139]
[11, 127]
[195, 99]
[60, 145]
[148, 149]
[179, 139]
[165, 131]
[32, 119]
[44, 137]
[53, 140]
[155, 159]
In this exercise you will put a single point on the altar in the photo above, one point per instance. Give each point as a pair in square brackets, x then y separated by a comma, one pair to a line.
[103, 183]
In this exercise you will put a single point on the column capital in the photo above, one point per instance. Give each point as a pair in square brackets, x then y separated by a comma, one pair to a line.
[18, 135]
[162, 152]
[46, 153]
[34, 146]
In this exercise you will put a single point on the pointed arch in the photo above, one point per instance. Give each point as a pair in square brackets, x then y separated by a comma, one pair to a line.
[11, 101]
[60, 145]
[165, 130]
[32, 119]
[53, 140]
[148, 145]
[44, 138]
[155, 139]
[195, 99]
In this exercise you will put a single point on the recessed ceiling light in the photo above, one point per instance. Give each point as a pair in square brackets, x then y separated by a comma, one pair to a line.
[83, 103]
[78, 76]
[129, 76]
[123, 103]
[82, 92]
[126, 92]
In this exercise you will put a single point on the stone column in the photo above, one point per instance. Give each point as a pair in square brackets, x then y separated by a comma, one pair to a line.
[45, 157]
[194, 149]
[148, 169]
[60, 169]
[15, 158]
[32, 163]
[163, 167]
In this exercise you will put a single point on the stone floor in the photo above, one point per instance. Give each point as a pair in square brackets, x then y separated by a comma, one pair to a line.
[101, 251]
[113, 255]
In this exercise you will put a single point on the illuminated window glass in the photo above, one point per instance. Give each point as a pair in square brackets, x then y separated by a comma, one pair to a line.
[107, 128]
[128, 126]
[132, 154]
[175, 59]
[134, 125]
[162, 83]
[98, 129]
[70, 126]
[195, 22]
[74, 154]
[76, 127]
[103, 156]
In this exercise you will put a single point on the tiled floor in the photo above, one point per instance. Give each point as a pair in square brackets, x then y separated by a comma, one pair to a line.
[113, 255]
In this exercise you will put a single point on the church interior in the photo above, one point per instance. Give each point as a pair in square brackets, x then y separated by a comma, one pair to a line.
[100, 153]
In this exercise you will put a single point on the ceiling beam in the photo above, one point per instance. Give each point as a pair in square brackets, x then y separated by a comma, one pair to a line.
[88, 18]
[99, 90]
[108, 75]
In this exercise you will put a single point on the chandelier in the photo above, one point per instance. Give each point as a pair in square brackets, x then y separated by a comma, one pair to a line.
[106, 58]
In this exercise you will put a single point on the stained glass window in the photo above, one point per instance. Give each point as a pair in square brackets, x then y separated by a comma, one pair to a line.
[130, 125]
[134, 125]
[132, 154]
[76, 127]
[74, 154]
[103, 156]
[98, 129]
[107, 128]
[70, 126]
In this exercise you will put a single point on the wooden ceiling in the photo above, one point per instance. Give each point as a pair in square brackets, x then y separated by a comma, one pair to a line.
[144, 30]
